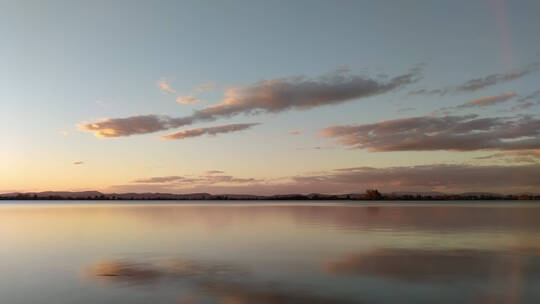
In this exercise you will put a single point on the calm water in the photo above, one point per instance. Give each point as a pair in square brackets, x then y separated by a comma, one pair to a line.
[270, 253]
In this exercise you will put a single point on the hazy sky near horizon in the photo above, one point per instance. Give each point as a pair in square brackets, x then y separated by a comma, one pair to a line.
[270, 96]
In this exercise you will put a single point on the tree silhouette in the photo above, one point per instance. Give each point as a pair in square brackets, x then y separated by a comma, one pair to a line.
[373, 194]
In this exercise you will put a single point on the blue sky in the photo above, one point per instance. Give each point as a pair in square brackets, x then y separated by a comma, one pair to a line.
[69, 62]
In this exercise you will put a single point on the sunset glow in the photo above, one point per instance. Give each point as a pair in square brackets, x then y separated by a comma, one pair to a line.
[97, 99]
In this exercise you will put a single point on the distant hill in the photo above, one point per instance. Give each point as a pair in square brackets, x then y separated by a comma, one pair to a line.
[45, 194]
[404, 195]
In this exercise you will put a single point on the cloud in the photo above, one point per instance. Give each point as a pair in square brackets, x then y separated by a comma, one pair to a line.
[164, 86]
[210, 131]
[493, 79]
[295, 132]
[265, 96]
[281, 94]
[213, 172]
[406, 109]
[417, 92]
[65, 133]
[210, 177]
[477, 103]
[191, 98]
[158, 179]
[428, 92]
[428, 265]
[212, 282]
[528, 101]
[124, 271]
[129, 271]
[215, 179]
[481, 82]
[533, 96]
[187, 99]
[453, 178]
[436, 177]
[77, 162]
[522, 156]
[428, 133]
[140, 124]
[489, 100]
[269, 293]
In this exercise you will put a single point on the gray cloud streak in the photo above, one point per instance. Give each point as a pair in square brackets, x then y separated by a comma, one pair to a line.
[521, 156]
[528, 101]
[211, 177]
[159, 179]
[183, 134]
[481, 82]
[213, 172]
[493, 79]
[281, 94]
[436, 177]
[477, 103]
[139, 124]
[431, 177]
[426, 133]
[265, 96]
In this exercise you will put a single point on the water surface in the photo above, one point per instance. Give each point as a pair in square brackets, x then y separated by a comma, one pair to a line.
[256, 252]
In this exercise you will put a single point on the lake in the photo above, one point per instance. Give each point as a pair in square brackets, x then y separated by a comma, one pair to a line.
[262, 252]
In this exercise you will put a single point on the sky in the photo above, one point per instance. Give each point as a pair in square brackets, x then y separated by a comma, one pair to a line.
[268, 97]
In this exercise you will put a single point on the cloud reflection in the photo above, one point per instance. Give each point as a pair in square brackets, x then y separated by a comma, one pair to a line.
[270, 293]
[224, 283]
[124, 271]
[433, 265]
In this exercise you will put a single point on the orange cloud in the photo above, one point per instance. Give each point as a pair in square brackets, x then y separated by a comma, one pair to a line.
[489, 100]
[187, 99]
[164, 86]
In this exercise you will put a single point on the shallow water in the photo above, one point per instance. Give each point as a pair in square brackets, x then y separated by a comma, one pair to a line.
[256, 252]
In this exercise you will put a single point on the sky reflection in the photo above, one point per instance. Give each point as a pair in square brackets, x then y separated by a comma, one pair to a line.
[270, 253]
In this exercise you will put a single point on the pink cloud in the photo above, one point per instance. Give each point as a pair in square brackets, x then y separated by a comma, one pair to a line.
[187, 99]
[489, 100]
[164, 86]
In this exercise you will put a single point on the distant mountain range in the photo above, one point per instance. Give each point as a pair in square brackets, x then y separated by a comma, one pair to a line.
[369, 195]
